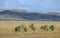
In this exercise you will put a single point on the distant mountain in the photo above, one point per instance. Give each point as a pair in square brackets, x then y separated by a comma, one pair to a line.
[54, 13]
[16, 15]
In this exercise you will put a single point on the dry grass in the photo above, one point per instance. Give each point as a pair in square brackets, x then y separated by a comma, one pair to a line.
[7, 29]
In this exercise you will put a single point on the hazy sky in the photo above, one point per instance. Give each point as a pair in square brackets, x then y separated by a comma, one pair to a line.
[32, 5]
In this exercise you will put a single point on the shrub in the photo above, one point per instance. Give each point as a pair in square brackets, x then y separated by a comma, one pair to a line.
[52, 27]
[32, 27]
[25, 29]
[17, 29]
[45, 27]
[42, 27]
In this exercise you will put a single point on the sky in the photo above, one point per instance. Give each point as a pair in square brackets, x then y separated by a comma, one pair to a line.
[32, 5]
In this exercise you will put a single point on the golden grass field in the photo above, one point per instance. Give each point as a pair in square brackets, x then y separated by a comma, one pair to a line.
[7, 29]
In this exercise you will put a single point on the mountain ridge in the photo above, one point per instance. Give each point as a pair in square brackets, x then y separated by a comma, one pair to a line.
[24, 15]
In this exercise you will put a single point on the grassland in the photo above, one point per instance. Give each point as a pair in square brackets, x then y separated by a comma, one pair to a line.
[7, 29]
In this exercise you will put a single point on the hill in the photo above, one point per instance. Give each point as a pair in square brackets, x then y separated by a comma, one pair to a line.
[24, 15]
